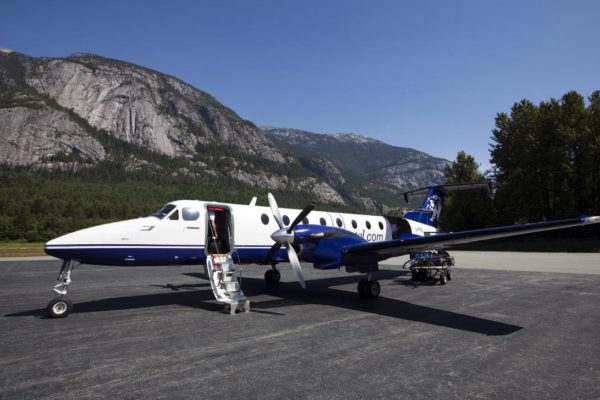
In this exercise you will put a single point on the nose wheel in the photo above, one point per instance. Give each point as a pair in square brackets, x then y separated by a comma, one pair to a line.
[59, 307]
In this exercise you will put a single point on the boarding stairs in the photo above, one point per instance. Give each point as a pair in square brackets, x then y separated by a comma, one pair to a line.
[225, 281]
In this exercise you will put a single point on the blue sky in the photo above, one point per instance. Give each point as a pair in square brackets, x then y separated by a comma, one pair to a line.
[430, 75]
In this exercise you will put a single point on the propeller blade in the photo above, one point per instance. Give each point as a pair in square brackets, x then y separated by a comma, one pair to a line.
[295, 264]
[288, 237]
[271, 253]
[275, 210]
[301, 216]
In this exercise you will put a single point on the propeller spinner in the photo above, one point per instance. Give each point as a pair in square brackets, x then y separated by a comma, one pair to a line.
[285, 236]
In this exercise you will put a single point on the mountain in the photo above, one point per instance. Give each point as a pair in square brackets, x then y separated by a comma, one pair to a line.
[353, 161]
[89, 113]
[131, 103]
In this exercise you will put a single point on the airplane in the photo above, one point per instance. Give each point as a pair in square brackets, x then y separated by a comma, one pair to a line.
[220, 235]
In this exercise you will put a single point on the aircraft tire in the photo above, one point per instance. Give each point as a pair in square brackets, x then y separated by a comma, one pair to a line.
[362, 288]
[373, 289]
[59, 307]
[272, 276]
[368, 289]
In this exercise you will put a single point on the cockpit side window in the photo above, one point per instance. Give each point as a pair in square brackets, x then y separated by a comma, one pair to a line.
[190, 214]
[164, 211]
[174, 216]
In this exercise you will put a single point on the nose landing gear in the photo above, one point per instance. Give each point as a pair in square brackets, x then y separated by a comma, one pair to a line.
[61, 306]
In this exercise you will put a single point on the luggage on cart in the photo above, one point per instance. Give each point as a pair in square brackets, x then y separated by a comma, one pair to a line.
[430, 266]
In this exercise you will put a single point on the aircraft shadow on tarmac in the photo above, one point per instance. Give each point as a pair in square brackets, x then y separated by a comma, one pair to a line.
[320, 292]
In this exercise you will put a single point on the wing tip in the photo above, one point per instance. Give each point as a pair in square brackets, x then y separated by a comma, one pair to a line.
[590, 220]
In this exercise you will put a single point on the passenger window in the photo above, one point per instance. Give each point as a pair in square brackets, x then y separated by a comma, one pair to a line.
[286, 220]
[189, 214]
[338, 222]
[305, 221]
[354, 224]
[174, 216]
[380, 225]
[368, 225]
[264, 218]
[322, 221]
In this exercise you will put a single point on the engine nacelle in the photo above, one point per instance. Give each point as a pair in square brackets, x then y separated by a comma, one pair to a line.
[322, 245]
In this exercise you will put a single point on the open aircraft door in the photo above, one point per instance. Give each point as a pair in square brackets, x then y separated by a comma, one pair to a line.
[225, 278]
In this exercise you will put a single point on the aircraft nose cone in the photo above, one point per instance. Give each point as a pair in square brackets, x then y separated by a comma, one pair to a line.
[282, 236]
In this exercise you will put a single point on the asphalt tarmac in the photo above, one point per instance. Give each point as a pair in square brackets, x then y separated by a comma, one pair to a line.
[493, 332]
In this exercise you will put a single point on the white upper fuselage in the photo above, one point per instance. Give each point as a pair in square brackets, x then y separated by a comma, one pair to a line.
[249, 228]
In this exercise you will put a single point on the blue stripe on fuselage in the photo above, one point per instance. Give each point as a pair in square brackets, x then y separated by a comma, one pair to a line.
[145, 255]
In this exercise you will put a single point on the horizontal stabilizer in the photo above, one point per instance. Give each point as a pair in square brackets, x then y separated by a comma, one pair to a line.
[428, 214]
[451, 188]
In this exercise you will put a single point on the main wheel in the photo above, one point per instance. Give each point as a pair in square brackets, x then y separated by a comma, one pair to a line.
[272, 276]
[362, 291]
[59, 307]
[373, 288]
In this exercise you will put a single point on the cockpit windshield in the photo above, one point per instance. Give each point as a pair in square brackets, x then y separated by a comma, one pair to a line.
[164, 211]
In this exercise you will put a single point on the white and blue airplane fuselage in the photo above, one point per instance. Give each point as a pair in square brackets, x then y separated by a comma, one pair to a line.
[180, 237]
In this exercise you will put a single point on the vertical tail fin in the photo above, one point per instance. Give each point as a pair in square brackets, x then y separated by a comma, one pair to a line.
[431, 208]
[429, 212]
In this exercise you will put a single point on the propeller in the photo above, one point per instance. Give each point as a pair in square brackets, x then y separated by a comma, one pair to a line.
[285, 236]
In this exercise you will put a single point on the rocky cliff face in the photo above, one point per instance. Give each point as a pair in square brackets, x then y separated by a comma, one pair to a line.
[84, 109]
[41, 135]
[144, 107]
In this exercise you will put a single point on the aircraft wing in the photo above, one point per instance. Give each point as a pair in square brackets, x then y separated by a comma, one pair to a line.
[371, 252]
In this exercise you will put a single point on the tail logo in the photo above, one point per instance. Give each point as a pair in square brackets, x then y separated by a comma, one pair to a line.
[434, 204]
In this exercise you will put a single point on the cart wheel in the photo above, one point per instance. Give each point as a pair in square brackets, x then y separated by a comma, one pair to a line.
[448, 275]
[442, 279]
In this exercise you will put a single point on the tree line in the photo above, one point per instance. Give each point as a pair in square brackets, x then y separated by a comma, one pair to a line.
[38, 205]
[545, 160]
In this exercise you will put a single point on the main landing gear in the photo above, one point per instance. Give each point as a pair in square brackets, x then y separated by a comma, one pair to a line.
[272, 276]
[61, 306]
[369, 287]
